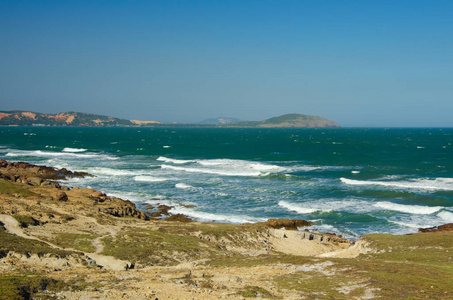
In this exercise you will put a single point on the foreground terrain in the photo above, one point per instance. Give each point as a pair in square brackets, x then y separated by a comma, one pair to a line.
[62, 243]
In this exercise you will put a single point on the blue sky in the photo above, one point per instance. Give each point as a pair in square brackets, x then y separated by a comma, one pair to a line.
[359, 63]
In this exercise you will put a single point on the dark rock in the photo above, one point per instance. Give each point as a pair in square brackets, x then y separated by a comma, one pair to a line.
[445, 227]
[164, 209]
[286, 223]
[179, 218]
[61, 196]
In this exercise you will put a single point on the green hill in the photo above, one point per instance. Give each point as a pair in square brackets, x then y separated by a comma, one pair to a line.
[290, 120]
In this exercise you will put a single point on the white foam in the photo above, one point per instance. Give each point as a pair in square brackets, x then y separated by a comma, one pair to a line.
[39, 153]
[409, 225]
[411, 209]
[227, 167]
[127, 195]
[446, 216]
[300, 209]
[166, 146]
[144, 178]
[424, 184]
[355, 172]
[186, 186]
[205, 216]
[173, 161]
[113, 172]
[74, 150]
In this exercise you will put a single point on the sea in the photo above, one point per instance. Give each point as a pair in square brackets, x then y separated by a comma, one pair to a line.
[348, 181]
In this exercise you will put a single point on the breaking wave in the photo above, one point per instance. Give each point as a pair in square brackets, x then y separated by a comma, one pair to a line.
[223, 167]
[74, 150]
[437, 184]
[299, 208]
[144, 178]
[410, 209]
[210, 217]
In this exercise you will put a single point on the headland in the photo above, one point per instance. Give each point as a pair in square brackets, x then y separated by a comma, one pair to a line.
[60, 242]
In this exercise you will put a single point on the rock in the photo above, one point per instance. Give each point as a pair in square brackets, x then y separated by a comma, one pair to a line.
[445, 227]
[61, 196]
[179, 218]
[164, 209]
[32, 171]
[97, 194]
[286, 223]
[35, 181]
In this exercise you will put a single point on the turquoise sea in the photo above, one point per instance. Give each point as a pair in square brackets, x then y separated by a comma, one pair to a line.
[349, 181]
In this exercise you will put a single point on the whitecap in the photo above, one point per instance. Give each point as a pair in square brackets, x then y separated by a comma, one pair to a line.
[39, 153]
[173, 161]
[74, 150]
[446, 216]
[211, 217]
[114, 172]
[411, 209]
[409, 225]
[299, 208]
[185, 186]
[227, 167]
[144, 178]
[424, 184]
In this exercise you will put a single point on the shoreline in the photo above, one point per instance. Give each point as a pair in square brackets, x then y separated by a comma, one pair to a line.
[62, 236]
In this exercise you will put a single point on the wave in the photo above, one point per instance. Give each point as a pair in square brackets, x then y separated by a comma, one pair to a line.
[74, 150]
[411, 209]
[409, 225]
[174, 161]
[226, 167]
[186, 186]
[299, 209]
[143, 178]
[437, 184]
[446, 216]
[210, 217]
[113, 172]
[45, 154]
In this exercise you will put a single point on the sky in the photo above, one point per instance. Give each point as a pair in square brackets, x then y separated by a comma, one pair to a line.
[359, 63]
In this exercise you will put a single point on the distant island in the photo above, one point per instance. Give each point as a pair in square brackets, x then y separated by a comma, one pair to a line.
[219, 120]
[28, 118]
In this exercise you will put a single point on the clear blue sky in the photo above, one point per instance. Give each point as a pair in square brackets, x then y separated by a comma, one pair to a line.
[360, 63]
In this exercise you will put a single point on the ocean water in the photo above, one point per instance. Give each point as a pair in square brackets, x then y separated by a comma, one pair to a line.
[349, 181]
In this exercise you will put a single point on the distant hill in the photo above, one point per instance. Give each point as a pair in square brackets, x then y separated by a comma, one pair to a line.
[220, 120]
[27, 118]
[289, 120]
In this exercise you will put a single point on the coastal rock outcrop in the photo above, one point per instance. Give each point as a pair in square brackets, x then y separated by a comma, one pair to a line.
[288, 224]
[35, 175]
[445, 227]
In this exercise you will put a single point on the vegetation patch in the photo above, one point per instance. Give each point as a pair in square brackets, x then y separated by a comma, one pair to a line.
[11, 242]
[256, 291]
[149, 247]
[25, 221]
[10, 188]
[82, 242]
[27, 287]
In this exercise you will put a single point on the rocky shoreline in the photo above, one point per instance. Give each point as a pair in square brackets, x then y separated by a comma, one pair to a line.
[71, 243]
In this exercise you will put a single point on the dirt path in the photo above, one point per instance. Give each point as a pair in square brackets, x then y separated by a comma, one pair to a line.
[108, 262]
